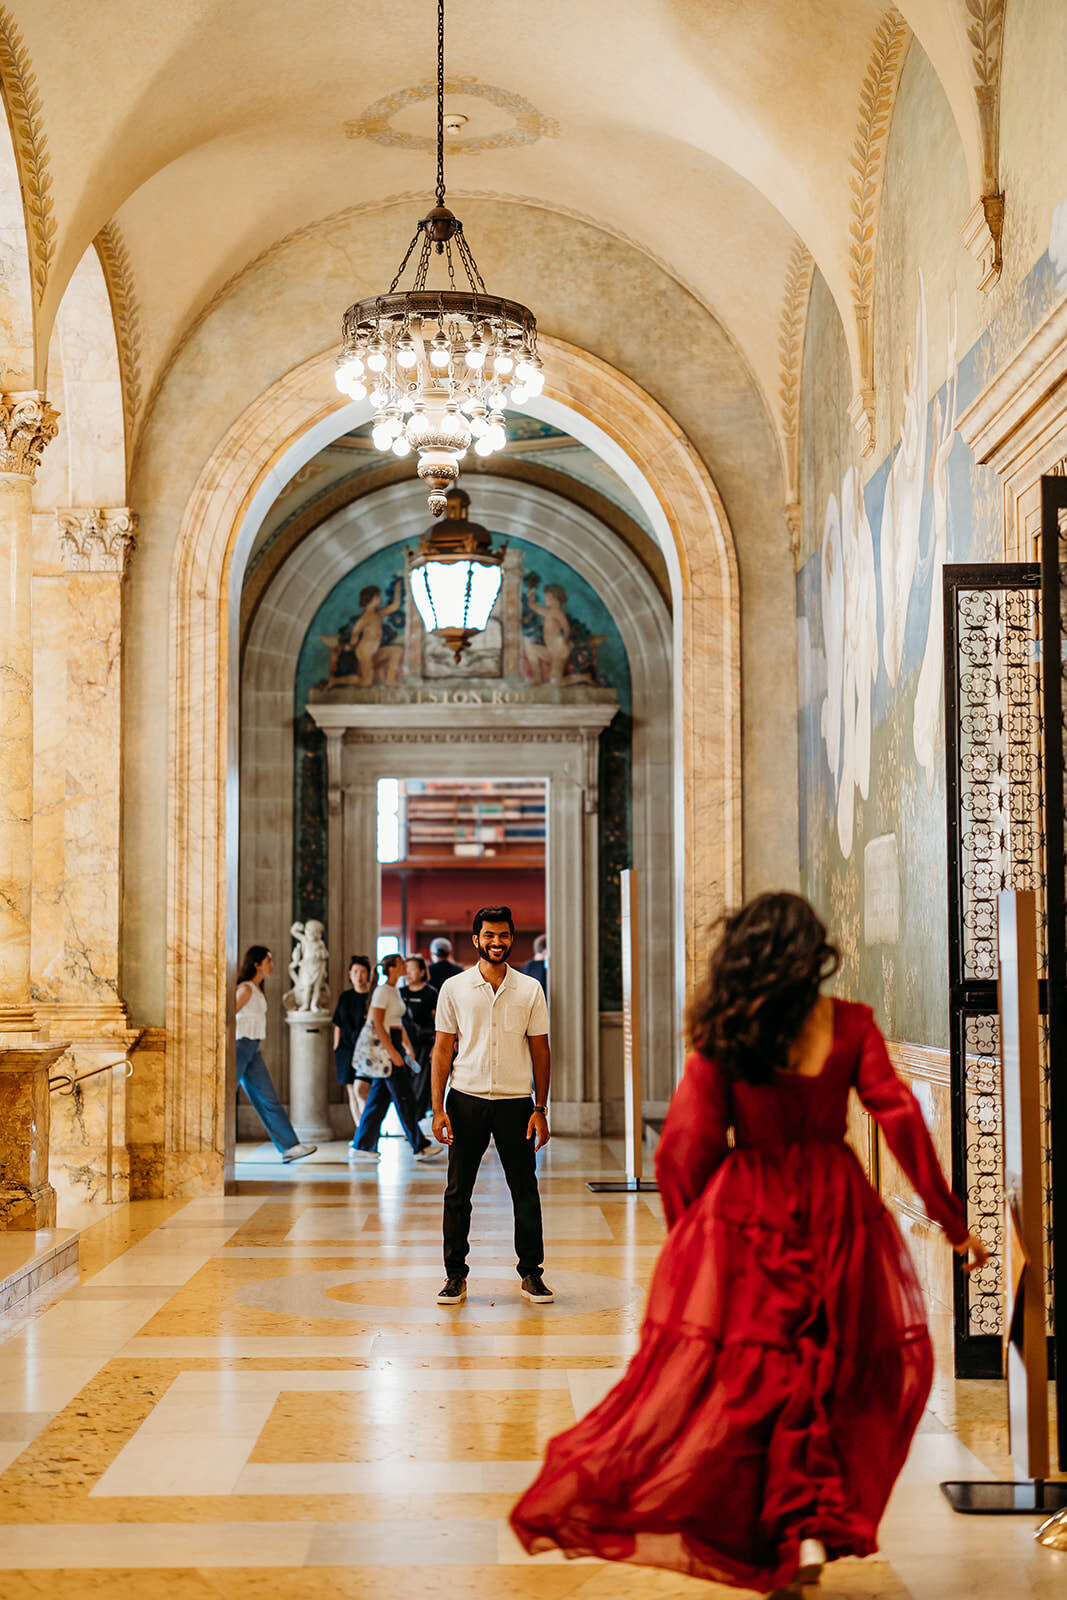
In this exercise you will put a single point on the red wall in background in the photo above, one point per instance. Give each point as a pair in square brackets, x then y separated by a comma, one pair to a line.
[443, 900]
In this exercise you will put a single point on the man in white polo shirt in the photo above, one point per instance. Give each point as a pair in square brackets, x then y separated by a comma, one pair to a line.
[495, 1021]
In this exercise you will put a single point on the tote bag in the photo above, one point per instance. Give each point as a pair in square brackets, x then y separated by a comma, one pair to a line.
[370, 1058]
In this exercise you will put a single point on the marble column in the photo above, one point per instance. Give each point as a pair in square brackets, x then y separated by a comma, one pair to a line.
[27, 423]
[77, 597]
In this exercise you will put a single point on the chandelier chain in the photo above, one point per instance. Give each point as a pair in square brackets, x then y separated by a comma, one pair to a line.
[407, 258]
[440, 102]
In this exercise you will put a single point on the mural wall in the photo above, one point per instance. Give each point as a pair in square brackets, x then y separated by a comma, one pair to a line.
[550, 631]
[876, 536]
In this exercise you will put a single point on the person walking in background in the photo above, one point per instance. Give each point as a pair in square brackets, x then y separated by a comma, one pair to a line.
[387, 1017]
[784, 1360]
[250, 1005]
[442, 967]
[350, 1013]
[495, 1022]
[420, 1004]
[538, 967]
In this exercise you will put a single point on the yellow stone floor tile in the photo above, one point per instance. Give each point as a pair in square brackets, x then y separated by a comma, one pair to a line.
[291, 1414]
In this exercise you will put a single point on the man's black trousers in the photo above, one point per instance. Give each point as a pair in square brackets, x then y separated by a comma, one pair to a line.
[474, 1121]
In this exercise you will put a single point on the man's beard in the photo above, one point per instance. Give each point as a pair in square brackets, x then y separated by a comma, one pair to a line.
[494, 961]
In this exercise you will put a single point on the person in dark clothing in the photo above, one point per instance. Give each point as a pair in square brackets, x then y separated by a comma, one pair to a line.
[420, 1004]
[350, 1013]
[442, 967]
[387, 1017]
[538, 967]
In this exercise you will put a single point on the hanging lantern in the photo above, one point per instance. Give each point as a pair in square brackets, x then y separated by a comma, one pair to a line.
[456, 575]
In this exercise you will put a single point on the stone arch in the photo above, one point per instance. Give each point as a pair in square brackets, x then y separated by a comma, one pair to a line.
[312, 569]
[272, 438]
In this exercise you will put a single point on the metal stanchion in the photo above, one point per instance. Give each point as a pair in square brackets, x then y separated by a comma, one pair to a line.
[633, 1183]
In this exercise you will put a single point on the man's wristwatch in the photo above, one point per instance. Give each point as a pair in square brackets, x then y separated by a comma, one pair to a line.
[542, 1110]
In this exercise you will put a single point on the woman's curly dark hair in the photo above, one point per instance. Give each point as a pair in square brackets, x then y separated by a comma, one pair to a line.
[763, 979]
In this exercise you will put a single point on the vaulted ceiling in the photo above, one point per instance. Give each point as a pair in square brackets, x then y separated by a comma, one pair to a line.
[712, 135]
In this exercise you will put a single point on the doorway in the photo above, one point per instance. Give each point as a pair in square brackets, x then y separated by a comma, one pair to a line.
[448, 846]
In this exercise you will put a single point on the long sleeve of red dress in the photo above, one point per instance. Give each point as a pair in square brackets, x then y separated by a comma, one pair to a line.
[694, 1139]
[898, 1114]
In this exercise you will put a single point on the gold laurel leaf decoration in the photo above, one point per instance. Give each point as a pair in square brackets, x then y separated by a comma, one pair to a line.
[867, 160]
[118, 275]
[23, 101]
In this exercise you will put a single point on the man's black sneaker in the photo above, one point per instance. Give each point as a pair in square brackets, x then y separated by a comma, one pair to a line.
[454, 1292]
[535, 1288]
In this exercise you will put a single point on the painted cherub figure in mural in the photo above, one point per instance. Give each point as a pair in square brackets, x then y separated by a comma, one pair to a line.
[559, 656]
[367, 651]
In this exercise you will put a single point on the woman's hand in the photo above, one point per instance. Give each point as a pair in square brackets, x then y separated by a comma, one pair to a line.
[975, 1251]
[396, 1058]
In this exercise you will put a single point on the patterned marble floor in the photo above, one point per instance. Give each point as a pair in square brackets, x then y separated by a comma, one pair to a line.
[258, 1396]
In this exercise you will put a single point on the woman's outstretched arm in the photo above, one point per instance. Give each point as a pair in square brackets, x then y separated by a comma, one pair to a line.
[694, 1140]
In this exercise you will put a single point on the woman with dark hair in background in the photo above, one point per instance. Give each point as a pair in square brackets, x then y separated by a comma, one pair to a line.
[350, 1013]
[387, 1018]
[784, 1360]
[420, 1006]
[250, 1004]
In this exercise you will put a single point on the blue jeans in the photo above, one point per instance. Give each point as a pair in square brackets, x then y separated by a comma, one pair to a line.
[254, 1078]
[398, 1089]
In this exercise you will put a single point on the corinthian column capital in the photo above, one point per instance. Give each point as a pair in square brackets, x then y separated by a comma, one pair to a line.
[27, 424]
[96, 539]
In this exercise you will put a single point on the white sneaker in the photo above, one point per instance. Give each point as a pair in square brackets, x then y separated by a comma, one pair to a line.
[297, 1152]
[810, 1561]
[431, 1152]
[363, 1155]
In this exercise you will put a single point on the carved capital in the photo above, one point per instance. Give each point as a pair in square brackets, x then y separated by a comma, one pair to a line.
[982, 234]
[27, 424]
[861, 416]
[96, 539]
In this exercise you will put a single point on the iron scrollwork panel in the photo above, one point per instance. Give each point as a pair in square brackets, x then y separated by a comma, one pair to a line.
[996, 841]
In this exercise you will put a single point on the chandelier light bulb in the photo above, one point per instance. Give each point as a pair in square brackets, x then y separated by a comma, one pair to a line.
[536, 380]
[476, 353]
[440, 352]
[502, 363]
[376, 360]
[401, 446]
[405, 356]
[379, 396]
[519, 395]
[382, 435]
[484, 446]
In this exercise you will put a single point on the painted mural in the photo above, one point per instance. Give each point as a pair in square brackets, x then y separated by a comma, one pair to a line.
[550, 634]
[869, 606]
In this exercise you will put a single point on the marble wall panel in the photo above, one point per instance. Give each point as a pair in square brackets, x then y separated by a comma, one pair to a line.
[145, 1119]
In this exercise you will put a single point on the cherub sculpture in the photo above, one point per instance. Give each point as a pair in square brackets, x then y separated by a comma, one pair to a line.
[307, 968]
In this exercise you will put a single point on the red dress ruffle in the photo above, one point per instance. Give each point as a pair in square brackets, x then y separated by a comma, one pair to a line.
[784, 1360]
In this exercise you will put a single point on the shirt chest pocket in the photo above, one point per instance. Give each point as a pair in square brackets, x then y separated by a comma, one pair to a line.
[514, 1018]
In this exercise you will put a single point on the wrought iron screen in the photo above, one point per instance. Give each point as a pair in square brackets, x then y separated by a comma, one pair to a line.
[1054, 634]
[995, 841]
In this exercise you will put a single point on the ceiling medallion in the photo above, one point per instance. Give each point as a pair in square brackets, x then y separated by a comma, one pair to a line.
[527, 123]
[440, 364]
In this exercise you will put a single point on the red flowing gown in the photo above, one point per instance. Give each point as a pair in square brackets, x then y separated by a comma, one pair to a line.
[784, 1360]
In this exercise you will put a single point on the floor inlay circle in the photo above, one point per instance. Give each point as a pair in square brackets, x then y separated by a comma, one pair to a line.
[492, 1296]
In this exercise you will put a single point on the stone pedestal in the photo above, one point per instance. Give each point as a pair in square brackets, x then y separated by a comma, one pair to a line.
[309, 1075]
[27, 1199]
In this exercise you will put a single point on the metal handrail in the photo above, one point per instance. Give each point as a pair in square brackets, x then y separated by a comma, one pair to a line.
[67, 1083]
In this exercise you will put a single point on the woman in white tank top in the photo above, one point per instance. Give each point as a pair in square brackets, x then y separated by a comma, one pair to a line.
[252, 1074]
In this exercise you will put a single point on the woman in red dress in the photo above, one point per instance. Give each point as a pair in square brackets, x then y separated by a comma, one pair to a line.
[784, 1360]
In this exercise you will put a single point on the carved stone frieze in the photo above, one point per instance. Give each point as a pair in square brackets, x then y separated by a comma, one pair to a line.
[27, 424]
[96, 539]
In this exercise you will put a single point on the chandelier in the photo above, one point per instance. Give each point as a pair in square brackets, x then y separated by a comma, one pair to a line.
[455, 575]
[439, 365]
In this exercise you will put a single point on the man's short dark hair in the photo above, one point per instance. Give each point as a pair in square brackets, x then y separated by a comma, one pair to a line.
[540, 944]
[493, 914]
